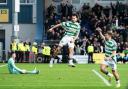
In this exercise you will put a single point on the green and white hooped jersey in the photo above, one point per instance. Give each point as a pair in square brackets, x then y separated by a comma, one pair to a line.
[71, 28]
[110, 46]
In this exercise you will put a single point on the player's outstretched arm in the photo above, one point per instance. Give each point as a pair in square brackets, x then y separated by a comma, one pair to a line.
[56, 26]
[100, 32]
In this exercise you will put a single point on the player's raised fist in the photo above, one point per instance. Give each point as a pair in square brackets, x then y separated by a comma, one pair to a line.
[98, 29]
[50, 30]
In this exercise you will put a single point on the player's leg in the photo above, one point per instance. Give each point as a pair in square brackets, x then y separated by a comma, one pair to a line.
[57, 50]
[63, 42]
[54, 55]
[32, 72]
[51, 62]
[15, 72]
[115, 73]
[103, 69]
[71, 52]
[25, 72]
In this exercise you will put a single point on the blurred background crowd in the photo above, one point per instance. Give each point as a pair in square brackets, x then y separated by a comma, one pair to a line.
[113, 17]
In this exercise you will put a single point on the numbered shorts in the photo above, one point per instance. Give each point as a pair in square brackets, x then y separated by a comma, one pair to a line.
[110, 63]
[67, 40]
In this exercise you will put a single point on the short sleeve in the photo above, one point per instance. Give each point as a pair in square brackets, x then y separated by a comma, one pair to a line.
[114, 46]
[63, 24]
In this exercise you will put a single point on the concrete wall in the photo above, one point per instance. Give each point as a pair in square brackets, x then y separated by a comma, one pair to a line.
[27, 32]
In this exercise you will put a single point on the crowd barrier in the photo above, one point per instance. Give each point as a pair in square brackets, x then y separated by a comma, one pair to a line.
[98, 57]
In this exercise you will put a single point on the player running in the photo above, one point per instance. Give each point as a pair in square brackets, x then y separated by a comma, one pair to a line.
[110, 56]
[15, 70]
[72, 29]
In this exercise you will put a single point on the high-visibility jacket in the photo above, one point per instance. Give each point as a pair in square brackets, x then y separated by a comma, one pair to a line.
[47, 50]
[34, 49]
[21, 47]
[14, 46]
[27, 47]
[90, 49]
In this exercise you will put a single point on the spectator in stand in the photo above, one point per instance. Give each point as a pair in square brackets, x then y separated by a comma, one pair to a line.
[78, 49]
[114, 9]
[97, 9]
[119, 58]
[125, 59]
[90, 50]
[106, 11]
[70, 9]
[51, 10]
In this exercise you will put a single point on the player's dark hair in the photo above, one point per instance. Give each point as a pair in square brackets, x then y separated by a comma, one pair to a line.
[12, 53]
[74, 14]
[109, 33]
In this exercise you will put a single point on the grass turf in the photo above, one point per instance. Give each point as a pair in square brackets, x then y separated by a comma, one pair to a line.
[59, 77]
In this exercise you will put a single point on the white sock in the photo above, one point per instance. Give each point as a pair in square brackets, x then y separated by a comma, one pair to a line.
[118, 81]
[110, 75]
[71, 62]
[55, 61]
[60, 60]
[51, 61]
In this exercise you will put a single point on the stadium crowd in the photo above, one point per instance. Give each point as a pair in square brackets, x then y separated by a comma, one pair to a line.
[113, 17]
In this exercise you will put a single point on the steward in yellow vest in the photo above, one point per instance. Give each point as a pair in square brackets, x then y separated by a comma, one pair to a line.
[27, 51]
[90, 50]
[34, 48]
[21, 50]
[13, 46]
[21, 47]
[46, 51]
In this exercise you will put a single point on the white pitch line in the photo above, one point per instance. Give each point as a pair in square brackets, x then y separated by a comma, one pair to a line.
[30, 85]
[3, 65]
[102, 78]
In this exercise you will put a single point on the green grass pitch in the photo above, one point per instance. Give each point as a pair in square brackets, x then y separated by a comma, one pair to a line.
[60, 77]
